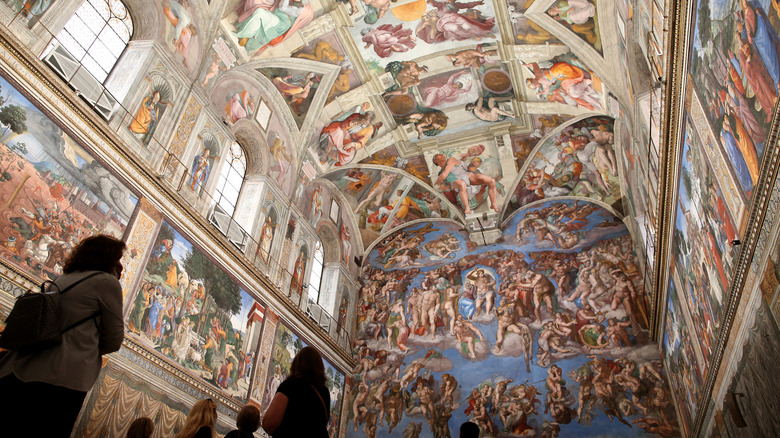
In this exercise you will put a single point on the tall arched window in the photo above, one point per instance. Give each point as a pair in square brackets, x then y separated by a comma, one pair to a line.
[85, 51]
[231, 179]
[315, 279]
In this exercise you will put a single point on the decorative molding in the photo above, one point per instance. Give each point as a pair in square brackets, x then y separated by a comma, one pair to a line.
[672, 122]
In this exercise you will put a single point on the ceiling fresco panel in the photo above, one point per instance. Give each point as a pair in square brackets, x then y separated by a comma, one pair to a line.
[577, 160]
[328, 49]
[346, 135]
[527, 31]
[389, 156]
[182, 33]
[581, 17]
[297, 87]
[470, 177]
[255, 27]
[564, 79]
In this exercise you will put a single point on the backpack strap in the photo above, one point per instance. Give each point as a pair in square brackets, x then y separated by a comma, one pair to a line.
[83, 320]
[76, 282]
[327, 412]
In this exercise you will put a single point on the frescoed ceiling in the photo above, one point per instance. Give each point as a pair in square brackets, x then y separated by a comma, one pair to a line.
[367, 88]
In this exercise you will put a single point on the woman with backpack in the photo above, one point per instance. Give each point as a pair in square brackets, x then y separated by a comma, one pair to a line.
[42, 389]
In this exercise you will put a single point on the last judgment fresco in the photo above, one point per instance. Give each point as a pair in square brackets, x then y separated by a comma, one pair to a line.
[542, 334]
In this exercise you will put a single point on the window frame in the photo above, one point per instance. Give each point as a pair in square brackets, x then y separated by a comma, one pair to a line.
[318, 250]
[226, 171]
[97, 36]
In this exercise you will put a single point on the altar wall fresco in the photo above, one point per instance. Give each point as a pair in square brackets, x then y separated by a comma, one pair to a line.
[540, 334]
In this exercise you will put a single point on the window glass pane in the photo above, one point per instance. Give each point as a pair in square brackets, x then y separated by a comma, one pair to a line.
[120, 28]
[315, 278]
[231, 183]
[225, 170]
[112, 41]
[80, 32]
[235, 178]
[67, 41]
[100, 7]
[100, 53]
[92, 18]
[129, 23]
[231, 193]
[94, 68]
[228, 207]
[80, 35]
[118, 9]
[231, 178]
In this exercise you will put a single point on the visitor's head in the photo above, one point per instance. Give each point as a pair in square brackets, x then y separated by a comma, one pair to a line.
[142, 427]
[248, 419]
[307, 365]
[96, 253]
[469, 430]
[203, 414]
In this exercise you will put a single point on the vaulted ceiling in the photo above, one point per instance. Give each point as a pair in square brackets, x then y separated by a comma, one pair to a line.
[350, 91]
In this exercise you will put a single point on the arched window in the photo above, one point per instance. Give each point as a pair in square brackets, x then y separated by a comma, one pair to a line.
[94, 38]
[315, 279]
[231, 179]
[97, 34]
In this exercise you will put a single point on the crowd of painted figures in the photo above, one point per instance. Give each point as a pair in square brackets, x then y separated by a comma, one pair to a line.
[585, 303]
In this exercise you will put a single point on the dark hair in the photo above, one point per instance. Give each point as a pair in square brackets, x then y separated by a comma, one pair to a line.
[307, 365]
[469, 430]
[96, 253]
[248, 418]
[142, 427]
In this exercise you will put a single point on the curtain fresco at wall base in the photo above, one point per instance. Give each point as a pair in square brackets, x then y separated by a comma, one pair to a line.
[118, 398]
[542, 334]
[188, 310]
[53, 193]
